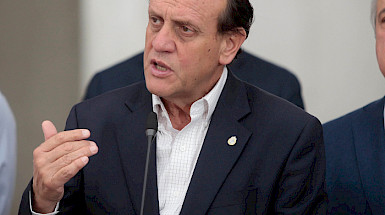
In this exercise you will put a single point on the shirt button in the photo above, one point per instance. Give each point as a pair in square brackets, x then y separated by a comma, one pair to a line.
[182, 148]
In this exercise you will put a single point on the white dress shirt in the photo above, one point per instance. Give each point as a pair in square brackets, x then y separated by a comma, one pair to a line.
[177, 151]
[7, 156]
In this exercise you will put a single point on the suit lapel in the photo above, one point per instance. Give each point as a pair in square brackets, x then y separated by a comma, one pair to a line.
[132, 144]
[217, 157]
[369, 140]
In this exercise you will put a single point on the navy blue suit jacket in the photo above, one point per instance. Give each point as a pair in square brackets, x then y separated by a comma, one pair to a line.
[277, 165]
[246, 67]
[355, 158]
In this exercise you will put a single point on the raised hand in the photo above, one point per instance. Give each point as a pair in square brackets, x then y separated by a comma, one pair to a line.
[55, 162]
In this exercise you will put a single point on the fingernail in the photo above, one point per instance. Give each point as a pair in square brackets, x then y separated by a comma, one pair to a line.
[85, 159]
[94, 149]
[86, 133]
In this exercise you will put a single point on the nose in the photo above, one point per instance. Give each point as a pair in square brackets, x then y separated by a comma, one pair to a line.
[164, 40]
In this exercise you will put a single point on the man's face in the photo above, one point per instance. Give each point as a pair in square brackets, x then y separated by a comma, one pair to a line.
[380, 35]
[182, 57]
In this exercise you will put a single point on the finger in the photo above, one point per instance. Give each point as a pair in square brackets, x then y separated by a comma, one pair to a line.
[69, 171]
[70, 158]
[66, 148]
[49, 129]
[63, 137]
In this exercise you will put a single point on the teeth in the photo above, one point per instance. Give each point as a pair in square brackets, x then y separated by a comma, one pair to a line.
[161, 68]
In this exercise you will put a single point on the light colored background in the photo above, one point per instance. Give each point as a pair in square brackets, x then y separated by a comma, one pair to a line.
[49, 50]
[328, 44]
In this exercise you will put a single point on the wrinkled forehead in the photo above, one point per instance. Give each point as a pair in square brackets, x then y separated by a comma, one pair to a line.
[201, 9]
[380, 6]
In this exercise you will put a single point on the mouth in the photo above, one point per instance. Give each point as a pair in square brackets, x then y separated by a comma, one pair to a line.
[160, 69]
[160, 65]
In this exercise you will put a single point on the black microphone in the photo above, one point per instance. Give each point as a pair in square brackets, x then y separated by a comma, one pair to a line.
[151, 129]
[151, 126]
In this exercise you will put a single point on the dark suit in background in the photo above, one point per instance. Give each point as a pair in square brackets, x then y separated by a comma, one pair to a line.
[355, 161]
[277, 165]
[247, 67]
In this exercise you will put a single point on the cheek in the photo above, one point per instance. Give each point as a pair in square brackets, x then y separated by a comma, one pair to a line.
[208, 54]
[147, 48]
[380, 49]
[148, 38]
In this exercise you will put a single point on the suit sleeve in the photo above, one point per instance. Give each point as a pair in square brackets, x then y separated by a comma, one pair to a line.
[302, 185]
[24, 203]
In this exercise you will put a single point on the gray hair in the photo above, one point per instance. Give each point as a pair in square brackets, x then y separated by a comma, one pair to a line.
[373, 13]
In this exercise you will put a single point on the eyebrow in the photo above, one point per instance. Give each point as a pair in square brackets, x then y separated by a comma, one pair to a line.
[187, 23]
[151, 11]
[183, 23]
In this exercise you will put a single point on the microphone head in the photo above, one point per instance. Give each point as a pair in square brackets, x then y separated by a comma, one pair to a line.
[152, 121]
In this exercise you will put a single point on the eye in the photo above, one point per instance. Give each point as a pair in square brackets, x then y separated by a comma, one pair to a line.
[186, 29]
[155, 20]
[155, 23]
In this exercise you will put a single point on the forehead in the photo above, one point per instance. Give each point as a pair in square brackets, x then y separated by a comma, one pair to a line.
[196, 9]
[380, 5]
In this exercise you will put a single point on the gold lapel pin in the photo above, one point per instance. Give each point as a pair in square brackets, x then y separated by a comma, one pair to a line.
[232, 141]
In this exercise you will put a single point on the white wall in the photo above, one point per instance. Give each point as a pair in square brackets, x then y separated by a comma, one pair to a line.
[328, 44]
[111, 31]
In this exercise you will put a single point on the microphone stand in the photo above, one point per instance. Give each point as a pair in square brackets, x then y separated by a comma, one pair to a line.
[152, 127]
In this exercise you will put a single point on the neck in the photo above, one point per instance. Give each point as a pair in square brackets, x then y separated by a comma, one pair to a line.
[178, 109]
[179, 114]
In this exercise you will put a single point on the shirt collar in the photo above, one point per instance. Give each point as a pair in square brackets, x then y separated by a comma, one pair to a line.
[213, 96]
[210, 99]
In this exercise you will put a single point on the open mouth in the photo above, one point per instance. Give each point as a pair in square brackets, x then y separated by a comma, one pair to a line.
[160, 66]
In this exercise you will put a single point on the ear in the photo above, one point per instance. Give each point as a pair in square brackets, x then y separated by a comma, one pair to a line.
[231, 44]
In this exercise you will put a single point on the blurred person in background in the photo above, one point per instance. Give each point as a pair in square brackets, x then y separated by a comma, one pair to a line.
[355, 147]
[7, 156]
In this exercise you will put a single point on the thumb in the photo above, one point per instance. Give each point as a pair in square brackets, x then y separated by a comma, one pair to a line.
[49, 129]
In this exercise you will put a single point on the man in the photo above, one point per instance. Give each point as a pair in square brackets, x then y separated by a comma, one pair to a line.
[7, 156]
[249, 68]
[223, 146]
[355, 147]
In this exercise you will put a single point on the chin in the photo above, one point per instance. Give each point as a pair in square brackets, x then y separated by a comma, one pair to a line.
[150, 86]
[155, 88]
